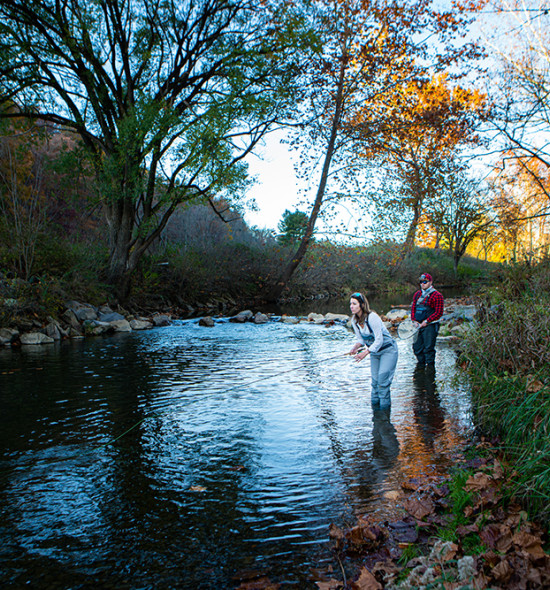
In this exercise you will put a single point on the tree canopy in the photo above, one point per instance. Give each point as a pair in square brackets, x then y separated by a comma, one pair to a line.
[167, 98]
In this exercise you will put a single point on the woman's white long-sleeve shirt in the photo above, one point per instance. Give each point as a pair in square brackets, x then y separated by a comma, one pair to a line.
[362, 333]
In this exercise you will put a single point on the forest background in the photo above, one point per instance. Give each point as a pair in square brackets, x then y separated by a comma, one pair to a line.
[127, 129]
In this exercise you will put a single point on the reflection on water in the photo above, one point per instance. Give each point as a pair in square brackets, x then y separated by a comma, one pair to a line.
[242, 444]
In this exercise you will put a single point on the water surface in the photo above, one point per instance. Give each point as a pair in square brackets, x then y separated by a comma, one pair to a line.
[243, 444]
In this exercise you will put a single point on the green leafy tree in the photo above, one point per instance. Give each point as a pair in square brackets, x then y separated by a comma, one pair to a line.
[167, 97]
[461, 213]
[292, 227]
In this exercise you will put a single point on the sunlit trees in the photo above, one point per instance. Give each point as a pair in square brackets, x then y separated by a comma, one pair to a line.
[168, 98]
[371, 48]
[522, 210]
[521, 93]
[412, 133]
[461, 212]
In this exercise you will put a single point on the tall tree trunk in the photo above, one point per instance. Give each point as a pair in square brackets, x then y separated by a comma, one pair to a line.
[120, 215]
[275, 290]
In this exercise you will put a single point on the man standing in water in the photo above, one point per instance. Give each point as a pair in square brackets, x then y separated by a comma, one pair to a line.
[426, 309]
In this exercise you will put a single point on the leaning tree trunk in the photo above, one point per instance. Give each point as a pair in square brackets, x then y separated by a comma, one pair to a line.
[275, 290]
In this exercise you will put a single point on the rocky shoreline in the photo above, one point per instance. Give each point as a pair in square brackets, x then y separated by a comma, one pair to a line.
[80, 320]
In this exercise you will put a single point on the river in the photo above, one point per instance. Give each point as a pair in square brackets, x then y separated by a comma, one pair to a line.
[193, 457]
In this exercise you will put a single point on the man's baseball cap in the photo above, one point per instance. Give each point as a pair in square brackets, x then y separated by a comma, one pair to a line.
[426, 277]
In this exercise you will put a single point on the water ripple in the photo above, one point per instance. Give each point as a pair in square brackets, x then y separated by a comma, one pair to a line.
[229, 449]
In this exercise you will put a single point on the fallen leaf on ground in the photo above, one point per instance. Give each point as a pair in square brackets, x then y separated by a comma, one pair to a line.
[419, 507]
[535, 386]
[502, 571]
[392, 495]
[329, 585]
[366, 581]
[478, 481]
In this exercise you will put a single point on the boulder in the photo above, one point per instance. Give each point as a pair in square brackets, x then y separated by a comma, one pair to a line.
[461, 329]
[289, 319]
[95, 327]
[24, 324]
[316, 318]
[75, 332]
[121, 325]
[52, 330]
[207, 321]
[464, 312]
[31, 338]
[140, 324]
[336, 317]
[161, 320]
[70, 318]
[113, 316]
[86, 312]
[242, 316]
[397, 314]
[73, 305]
[260, 318]
[8, 335]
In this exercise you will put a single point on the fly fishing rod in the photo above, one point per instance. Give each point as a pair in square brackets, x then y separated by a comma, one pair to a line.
[155, 414]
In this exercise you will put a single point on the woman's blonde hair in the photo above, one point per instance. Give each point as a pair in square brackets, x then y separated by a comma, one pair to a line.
[363, 304]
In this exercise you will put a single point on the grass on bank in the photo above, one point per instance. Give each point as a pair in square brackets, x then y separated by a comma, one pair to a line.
[508, 362]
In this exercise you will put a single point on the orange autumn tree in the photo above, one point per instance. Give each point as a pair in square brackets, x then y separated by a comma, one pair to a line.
[410, 134]
[520, 200]
[371, 50]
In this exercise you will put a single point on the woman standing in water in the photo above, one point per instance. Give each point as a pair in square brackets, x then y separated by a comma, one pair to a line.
[379, 345]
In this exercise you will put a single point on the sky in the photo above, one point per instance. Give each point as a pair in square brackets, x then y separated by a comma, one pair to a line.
[277, 186]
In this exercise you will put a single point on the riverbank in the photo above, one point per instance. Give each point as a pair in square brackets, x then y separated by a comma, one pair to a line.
[487, 525]
[460, 532]
[80, 320]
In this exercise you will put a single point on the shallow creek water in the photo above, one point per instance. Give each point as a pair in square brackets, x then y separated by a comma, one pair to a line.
[248, 441]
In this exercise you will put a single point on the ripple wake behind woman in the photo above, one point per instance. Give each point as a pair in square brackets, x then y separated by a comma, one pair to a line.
[371, 334]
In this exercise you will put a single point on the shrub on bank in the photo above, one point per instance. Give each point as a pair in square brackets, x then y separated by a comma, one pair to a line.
[508, 361]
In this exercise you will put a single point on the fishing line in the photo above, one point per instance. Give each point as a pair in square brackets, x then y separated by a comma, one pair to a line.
[157, 414]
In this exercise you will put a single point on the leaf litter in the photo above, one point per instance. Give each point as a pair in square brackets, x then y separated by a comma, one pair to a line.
[494, 545]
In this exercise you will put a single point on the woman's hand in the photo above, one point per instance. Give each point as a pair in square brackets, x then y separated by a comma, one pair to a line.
[361, 355]
[356, 347]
